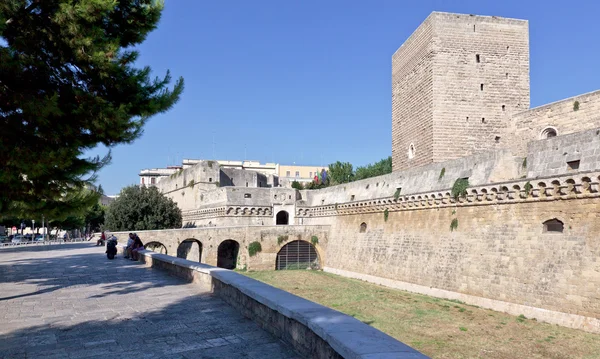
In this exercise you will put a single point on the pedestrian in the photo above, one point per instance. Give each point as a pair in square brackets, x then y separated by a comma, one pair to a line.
[128, 248]
[101, 240]
[137, 246]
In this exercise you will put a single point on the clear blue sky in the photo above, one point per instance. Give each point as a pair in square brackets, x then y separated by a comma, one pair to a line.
[309, 81]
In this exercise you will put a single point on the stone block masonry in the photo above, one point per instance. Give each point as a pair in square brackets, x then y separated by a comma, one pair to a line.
[455, 82]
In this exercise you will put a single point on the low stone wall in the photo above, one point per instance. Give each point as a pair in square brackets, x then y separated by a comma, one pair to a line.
[312, 329]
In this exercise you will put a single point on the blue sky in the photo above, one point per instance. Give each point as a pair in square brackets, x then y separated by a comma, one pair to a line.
[308, 82]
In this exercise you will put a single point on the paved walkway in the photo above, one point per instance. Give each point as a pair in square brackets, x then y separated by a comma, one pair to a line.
[69, 301]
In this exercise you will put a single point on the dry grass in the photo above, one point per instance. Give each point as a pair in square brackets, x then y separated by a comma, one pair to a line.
[437, 327]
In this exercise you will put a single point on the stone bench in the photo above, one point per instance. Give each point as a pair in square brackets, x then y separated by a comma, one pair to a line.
[313, 330]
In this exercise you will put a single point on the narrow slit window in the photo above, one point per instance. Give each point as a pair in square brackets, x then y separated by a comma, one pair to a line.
[481, 87]
[477, 58]
[247, 195]
[573, 165]
[503, 108]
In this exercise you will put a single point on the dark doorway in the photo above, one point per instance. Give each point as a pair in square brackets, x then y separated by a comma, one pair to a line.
[190, 249]
[156, 247]
[227, 254]
[282, 218]
[297, 255]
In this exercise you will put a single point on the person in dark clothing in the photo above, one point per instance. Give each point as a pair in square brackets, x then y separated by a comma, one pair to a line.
[137, 246]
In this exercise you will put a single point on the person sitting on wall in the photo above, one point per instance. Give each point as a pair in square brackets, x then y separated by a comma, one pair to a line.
[101, 240]
[128, 248]
[138, 245]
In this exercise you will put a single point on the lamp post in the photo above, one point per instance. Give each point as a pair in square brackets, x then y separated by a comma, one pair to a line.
[32, 230]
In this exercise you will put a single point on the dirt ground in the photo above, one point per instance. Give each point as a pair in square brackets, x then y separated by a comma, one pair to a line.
[437, 327]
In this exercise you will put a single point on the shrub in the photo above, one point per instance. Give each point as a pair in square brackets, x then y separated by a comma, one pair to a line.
[528, 188]
[397, 193]
[386, 214]
[314, 240]
[525, 162]
[297, 185]
[453, 225]
[254, 248]
[576, 106]
[442, 173]
[281, 239]
[459, 189]
[191, 184]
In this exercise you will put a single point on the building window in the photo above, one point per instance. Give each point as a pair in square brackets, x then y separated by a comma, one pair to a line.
[363, 227]
[143, 180]
[573, 165]
[153, 180]
[352, 197]
[309, 174]
[481, 87]
[548, 132]
[411, 151]
[287, 173]
[209, 179]
[477, 58]
[297, 174]
[553, 226]
[247, 195]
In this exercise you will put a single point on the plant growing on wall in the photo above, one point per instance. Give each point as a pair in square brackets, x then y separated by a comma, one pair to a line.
[453, 225]
[528, 188]
[442, 173]
[281, 239]
[576, 106]
[386, 213]
[314, 240]
[525, 162]
[191, 184]
[459, 189]
[254, 248]
[397, 193]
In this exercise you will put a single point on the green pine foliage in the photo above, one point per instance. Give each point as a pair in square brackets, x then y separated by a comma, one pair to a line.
[142, 208]
[68, 83]
[297, 185]
[379, 168]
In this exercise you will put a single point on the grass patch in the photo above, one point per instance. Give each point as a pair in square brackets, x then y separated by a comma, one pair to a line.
[386, 214]
[430, 324]
[281, 239]
[459, 189]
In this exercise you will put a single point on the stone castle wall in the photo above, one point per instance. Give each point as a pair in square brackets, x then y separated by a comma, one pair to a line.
[412, 98]
[564, 154]
[455, 82]
[528, 126]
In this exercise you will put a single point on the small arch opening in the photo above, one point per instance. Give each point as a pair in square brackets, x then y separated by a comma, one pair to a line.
[190, 249]
[553, 226]
[363, 227]
[282, 218]
[156, 247]
[411, 151]
[548, 132]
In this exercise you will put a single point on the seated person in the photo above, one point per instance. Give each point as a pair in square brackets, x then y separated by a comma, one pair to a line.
[137, 246]
[128, 248]
[101, 240]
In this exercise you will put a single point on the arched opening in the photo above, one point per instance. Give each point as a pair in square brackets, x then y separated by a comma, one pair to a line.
[548, 132]
[411, 151]
[553, 226]
[282, 218]
[190, 249]
[227, 254]
[156, 247]
[363, 227]
[297, 255]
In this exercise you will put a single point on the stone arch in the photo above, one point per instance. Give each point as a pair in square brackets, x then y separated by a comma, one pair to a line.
[156, 247]
[553, 225]
[363, 227]
[227, 254]
[282, 218]
[190, 249]
[297, 254]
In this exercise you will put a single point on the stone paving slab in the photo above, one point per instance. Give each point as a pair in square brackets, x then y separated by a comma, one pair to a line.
[72, 302]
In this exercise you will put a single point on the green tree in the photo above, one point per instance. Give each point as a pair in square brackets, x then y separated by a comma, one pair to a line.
[94, 217]
[67, 84]
[140, 208]
[297, 185]
[340, 172]
[375, 169]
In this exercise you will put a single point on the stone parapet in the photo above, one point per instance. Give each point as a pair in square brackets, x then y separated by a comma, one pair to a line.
[312, 329]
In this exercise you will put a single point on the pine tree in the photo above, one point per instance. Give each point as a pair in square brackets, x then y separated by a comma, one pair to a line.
[67, 84]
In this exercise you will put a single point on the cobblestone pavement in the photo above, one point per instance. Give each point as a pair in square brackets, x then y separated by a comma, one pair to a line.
[69, 301]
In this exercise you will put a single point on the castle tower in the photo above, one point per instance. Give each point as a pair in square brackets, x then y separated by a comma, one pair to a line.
[455, 82]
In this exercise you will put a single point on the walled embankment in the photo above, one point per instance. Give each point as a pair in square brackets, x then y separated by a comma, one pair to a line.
[494, 248]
